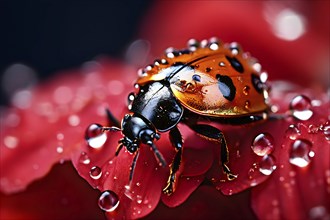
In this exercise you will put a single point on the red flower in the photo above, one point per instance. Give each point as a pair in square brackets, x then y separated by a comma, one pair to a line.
[286, 171]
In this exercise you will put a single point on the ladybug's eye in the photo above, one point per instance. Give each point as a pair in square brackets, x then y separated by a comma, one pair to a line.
[196, 77]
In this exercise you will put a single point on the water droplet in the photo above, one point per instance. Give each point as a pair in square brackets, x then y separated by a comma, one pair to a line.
[204, 43]
[257, 67]
[22, 99]
[116, 87]
[326, 132]
[60, 136]
[292, 132]
[222, 64]
[63, 95]
[95, 172]
[108, 201]
[263, 77]
[74, 120]
[95, 136]
[193, 44]
[214, 46]
[59, 149]
[84, 158]
[319, 212]
[263, 144]
[300, 107]
[246, 90]
[247, 105]
[301, 153]
[267, 165]
[10, 142]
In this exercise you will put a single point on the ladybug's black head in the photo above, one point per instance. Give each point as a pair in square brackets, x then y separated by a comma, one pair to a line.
[136, 130]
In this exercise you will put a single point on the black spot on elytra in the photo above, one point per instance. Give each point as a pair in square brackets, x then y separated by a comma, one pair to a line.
[256, 82]
[226, 87]
[235, 64]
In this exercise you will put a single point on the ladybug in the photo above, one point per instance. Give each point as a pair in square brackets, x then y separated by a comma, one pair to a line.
[207, 81]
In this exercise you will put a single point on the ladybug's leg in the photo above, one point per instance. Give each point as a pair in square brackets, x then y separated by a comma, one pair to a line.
[176, 140]
[211, 133]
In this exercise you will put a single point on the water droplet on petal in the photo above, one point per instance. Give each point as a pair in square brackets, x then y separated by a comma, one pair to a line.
[267, 165]
[10, 142]
[319, 212]
[108, 201]
[95, 172]
[95, 136]
[84, 159]
[326, 132]
[74, 120]
[263, 144]
[59, 149]
[301, 153]
[300, 107]
[292, 132]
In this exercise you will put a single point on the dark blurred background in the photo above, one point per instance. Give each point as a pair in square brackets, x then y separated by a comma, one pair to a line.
[49, 36]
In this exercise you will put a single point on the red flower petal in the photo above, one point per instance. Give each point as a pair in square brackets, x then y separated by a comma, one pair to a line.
[301, 184]
[62, 194]
[207, 203]
[57, 115]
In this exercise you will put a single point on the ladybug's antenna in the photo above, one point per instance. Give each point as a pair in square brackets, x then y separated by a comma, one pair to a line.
[158, 155]
[112, 120]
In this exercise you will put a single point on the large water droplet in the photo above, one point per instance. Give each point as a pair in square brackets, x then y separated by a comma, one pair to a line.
[108, 201]
[300, 107]
[95, 172]
[267, 165]
[301, 153]
[95, 136]
[263, 144]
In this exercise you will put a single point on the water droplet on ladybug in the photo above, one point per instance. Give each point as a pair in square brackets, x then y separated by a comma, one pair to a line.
[84, 159]
[95, 136]
[193, 44]
[263, 144]
[267, 165]
[263, 77]
[301, 153]
[235, 48]
[300, 107]
[247, 105]
[204, 43]
[164, 61]
[95, 172]
[214, 45]
[292, 132]
[246, 90]
[222, 64]
[108, 201]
